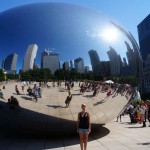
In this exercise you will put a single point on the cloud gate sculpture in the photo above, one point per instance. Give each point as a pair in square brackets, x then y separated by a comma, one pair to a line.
[76, 33]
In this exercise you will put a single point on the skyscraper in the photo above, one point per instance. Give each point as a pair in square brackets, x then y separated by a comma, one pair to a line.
[146, 72]
[115, 63]
[144, 40]
[9, 64]
[30, 57]
[95, 61]
[144, 37]
[79, 65]
[51, 61]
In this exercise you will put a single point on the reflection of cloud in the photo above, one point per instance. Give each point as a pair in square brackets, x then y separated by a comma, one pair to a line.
[93, 34]
[90, 67]
[108, 33]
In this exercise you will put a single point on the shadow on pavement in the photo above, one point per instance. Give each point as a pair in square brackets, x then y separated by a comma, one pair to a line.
[56, 106]
[146, 143]
[26, 98]
[27, 124]
[135, 127]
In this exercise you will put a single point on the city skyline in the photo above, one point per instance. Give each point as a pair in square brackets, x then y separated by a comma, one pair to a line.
[115, 65]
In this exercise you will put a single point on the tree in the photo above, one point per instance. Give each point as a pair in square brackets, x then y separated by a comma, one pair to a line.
[37, 75]
[12, 76]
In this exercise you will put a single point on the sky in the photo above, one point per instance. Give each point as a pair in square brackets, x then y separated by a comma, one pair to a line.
[128, 13]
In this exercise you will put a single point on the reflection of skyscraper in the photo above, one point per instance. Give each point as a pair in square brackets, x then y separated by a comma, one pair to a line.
[30, 57]
[144, 37]
[3, 63]
[138, 58]
[45, 53]
[79, 65]
[95, 61]
[114, 62]
[131, 58]
[51, 61]
[124, 62]
[9, 64]
[105, 68]
[87, 69]
[66, 66]
[71, 64]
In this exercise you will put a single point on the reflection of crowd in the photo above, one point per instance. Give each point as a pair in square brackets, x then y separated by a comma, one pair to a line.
[35, 92]
[110, 89]
[1, 94]
[13, 103]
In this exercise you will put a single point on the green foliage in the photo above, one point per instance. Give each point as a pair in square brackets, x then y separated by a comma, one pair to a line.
[125, 80]
[2, 78]
[37, 75]
[12, 76]
[74, 75]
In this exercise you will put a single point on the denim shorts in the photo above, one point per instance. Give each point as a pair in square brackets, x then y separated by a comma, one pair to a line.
[83, 131]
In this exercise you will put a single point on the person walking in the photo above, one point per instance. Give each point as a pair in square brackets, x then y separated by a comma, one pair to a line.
[83, 127]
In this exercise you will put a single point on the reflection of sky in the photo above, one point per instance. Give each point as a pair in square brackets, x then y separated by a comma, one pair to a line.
[71, 30]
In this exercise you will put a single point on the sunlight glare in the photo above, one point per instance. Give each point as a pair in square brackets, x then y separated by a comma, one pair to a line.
[110, 34]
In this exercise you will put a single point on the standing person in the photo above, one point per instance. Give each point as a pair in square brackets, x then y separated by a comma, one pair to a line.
[83, 127]
[22, 88]
[17, 90]
[40, 92]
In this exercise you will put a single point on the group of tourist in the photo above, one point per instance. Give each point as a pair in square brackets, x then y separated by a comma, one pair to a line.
[139, 113]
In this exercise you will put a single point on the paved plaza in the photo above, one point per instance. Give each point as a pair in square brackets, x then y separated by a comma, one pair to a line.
[111, 136]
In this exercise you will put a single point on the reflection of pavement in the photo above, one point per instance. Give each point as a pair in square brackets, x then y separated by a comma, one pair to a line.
[113, 136]
[48, 117]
